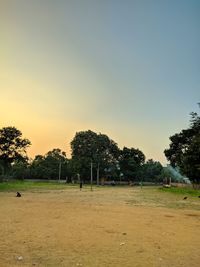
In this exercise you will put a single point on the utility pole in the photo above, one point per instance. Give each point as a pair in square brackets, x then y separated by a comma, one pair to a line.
[91, 178]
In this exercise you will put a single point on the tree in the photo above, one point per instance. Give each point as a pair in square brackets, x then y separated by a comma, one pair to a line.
[191, 160]
[53, 159]
[20, 170]
[151, 171]
[130, 162]
[38, 169]
[184, 150]
[47, 166]
[87, 147]
[12, 147]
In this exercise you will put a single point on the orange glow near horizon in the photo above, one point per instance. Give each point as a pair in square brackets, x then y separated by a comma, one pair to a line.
[115, 68]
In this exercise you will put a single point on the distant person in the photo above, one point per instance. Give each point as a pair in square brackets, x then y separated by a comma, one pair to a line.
[81, 185]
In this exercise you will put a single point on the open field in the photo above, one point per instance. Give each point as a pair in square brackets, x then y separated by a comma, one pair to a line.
[107, 227]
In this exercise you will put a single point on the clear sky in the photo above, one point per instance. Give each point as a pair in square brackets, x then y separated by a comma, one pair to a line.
[129, 69]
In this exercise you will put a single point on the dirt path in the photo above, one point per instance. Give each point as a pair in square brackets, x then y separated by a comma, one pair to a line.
[100, 228]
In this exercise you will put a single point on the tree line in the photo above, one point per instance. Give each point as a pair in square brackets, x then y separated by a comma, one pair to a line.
[88, 149]
[96, 150]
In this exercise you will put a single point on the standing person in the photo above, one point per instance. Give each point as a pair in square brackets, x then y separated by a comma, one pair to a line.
[81, 185]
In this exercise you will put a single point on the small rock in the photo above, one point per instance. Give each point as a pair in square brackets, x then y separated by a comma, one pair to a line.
[121, 244]
[19, 258]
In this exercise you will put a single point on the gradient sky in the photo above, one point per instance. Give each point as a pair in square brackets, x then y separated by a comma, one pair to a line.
[128, 69]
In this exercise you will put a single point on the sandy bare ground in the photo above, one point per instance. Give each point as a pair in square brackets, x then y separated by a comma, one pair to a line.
[106, 227]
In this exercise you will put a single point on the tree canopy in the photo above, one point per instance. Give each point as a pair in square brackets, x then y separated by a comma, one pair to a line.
[151, 171]
[12, 147]
[87, 147]
[184, 150]
[130, 161]
[47, 166]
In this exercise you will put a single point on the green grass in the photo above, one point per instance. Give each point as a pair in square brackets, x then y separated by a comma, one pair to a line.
[166, 197]
[181, 191]
[16, 185]
[28, 185]
[147, 196]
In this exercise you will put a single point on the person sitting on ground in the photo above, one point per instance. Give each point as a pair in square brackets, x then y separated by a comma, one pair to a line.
[18, 194]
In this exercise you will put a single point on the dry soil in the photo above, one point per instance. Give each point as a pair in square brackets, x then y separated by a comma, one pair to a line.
[107, 227]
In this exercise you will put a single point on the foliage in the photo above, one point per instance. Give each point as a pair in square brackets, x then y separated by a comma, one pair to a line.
[181, 191]
[151, 171]
[12, 147]
[184, 150]
[17, 185]
[191, 160]
[131, 161]
[87, 147]
[20, 170]
[47, 166]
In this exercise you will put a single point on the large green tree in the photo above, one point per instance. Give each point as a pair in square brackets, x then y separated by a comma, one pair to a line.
[131, 161]
[20, 170]
[47, 166]
[184, 150]
[12, 147]
[151, 171]
[87, 147]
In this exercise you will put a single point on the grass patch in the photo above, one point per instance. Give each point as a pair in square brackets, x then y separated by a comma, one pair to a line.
[166, 197]
[28, 185]
[181, 191]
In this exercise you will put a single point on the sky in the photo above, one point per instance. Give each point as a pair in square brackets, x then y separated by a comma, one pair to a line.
[129, 69]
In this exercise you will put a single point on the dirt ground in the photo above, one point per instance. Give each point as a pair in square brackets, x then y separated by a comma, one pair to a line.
[106, 227]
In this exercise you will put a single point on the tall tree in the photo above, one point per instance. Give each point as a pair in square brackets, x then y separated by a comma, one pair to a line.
[130, 161]
[38, 169]
[87, 147]
[47, 166]
[20, 170]
[12, 147]
[184, 150]
[151, 171]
